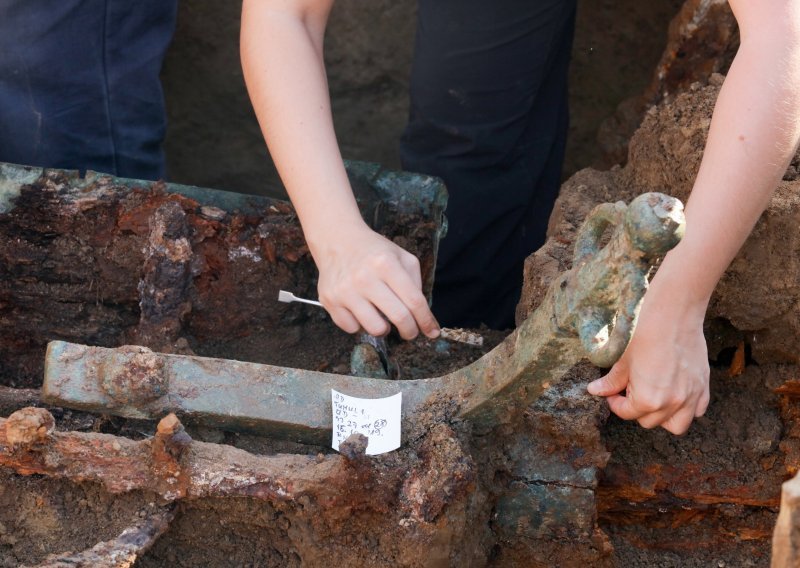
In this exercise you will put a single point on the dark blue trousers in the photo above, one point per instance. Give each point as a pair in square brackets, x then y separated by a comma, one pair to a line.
[79, 85]
[489, 116]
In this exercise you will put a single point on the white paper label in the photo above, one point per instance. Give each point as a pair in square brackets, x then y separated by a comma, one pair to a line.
[376, 418]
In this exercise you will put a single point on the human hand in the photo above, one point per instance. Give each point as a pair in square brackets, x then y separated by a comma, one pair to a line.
[363, 277]
[664, 372]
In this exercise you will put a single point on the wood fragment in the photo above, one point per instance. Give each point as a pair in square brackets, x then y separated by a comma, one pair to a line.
[786, 538]
[121, 552]
[461, 336]
[737, 364]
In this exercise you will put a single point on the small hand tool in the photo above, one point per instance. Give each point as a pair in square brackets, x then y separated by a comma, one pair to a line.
[450, 334]
[288, 297]
[377, 343]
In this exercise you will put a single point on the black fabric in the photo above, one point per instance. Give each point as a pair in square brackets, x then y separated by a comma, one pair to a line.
[489, 116]
[79, 85]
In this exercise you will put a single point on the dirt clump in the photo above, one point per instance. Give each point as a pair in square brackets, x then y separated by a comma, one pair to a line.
[702, 40]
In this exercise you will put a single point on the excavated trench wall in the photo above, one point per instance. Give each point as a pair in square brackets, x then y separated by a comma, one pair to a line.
[213, 139]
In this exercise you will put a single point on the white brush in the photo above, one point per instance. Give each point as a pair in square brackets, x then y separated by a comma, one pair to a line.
[284, 296]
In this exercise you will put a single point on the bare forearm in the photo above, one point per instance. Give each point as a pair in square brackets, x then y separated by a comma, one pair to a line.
[363, 277]
[282, 59]
[753, 136]
[664, 373]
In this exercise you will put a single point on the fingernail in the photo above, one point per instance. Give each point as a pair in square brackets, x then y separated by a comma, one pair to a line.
[435, 333]
[594, 387]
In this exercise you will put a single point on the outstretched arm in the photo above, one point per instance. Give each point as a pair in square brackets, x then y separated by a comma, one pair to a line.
[754, 134]
[362, 274]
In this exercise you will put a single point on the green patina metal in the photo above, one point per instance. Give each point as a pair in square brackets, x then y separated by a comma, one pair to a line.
[403, 191]
[589, 311]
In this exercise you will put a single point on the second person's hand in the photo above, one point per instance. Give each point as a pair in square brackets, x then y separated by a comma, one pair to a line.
[366, 279]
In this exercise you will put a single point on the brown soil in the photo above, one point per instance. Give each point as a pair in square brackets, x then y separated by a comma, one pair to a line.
[41, 516]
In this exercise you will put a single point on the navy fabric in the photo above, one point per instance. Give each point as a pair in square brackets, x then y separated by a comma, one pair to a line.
[489, 116]
[79, 85]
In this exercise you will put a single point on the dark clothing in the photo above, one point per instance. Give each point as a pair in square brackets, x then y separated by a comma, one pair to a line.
[489, 116]
[79, 85]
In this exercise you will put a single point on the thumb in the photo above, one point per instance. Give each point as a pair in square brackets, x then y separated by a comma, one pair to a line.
[613, 383]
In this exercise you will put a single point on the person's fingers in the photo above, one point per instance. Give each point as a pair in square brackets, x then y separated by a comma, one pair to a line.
[393, 308]
[343, 319]
[614, 382]
[622, 407]
[653, 419]
[411, 264]
[402, 284]
[679, 422]
[370, 318]
[649, 414]
[702, 404]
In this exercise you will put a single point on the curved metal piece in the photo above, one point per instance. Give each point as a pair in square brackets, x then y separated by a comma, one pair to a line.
[642, 232]
[602, 217]
[591, 309]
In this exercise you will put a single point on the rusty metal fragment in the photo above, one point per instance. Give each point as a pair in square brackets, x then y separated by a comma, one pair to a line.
[417, 484]
[13, 399]
[121, 552]
[169, 444]
[29, 427]
[590, 311]
[208, 470]
[166, 278]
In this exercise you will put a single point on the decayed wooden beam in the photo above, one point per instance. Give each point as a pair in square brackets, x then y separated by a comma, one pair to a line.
[12, 400]
[646, 486]
[121, 552]
[786, 538]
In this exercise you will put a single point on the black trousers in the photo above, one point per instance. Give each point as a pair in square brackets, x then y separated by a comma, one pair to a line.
[79, 85]
[489, 116]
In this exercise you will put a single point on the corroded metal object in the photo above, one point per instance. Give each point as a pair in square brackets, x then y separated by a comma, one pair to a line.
[120, 552]
[590, 311]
